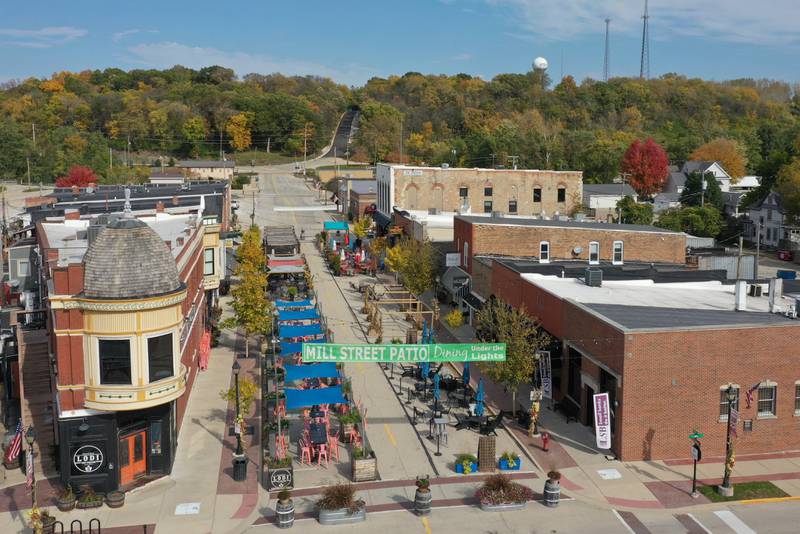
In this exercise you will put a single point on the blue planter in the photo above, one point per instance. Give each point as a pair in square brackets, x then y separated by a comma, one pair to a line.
[505, 467]
[473, 466]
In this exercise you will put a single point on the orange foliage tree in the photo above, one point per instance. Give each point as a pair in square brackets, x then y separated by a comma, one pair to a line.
[727, 152]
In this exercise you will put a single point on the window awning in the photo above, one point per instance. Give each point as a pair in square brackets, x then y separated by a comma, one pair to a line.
[313, 370]
[305, 398]
[286, 269]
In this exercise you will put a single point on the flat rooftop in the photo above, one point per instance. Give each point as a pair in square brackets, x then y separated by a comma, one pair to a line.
[545, 223]
[473, 169]
[645, 304]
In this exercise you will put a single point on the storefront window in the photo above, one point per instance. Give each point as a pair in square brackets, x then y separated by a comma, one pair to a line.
[159, 357]
[155, 437]
[208, 262]
[115, 361]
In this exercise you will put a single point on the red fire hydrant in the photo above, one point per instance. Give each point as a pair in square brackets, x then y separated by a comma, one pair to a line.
[545, 441]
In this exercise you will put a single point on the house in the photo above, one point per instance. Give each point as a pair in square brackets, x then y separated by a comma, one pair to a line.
[665, 201]
[208, 169]
[768, 218]
[601, 199]
[676, 181]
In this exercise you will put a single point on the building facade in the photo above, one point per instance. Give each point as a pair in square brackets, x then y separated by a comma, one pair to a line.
[208, 169]
[514, 192]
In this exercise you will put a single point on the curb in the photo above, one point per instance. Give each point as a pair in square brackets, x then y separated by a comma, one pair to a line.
[769, 500]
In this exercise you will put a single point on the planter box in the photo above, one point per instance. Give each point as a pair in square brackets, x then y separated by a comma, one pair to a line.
[280, 478]
[341, 517]
[86, 505]
[505, 467]
[473, 467]
[510, 507]
[365, 469]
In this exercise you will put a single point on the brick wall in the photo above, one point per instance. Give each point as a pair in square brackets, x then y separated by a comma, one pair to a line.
[481, 279]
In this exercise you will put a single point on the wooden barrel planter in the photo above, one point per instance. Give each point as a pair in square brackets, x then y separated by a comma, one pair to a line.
[66, 504]
[115, 499]
[365, 469]
[342, 516]
[284, 514]
[552, 493]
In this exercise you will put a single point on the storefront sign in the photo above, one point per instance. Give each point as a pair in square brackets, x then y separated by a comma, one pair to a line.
[87, 459]
[456, 352]
[452, 259]
[602, 421]
[545, 374]
[281, 478]
[414, 172]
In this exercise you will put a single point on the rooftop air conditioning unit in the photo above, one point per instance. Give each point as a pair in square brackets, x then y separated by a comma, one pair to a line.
[754, 290]
[594, 277]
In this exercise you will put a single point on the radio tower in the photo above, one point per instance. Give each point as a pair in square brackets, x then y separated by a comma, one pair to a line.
[605, 60]
[644, 68]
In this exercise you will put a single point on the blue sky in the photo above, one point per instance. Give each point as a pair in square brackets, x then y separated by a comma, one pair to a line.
[353, 40]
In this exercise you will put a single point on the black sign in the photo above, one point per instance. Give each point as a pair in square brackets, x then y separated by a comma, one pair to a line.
[697, 453]
[87, 459]
[281, 478]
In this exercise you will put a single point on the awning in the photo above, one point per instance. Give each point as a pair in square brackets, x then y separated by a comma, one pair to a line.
[289, 332]
[294, 304]
[473, 301]
[286, 269]
[305, 398]
[297, 315]
[314, 370]
[333, 226]
[454, 278]
[288, 347]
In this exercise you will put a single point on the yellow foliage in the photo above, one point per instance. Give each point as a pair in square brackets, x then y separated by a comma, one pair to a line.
[53, 86]
[454, 319]
[238, 128]
[727, 152]
[362, 226]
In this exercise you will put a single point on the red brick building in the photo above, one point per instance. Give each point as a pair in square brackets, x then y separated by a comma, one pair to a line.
[665, 353]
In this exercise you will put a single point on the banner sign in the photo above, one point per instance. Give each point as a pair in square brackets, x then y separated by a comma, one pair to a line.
[456, 352]
[734, 422]
[545, 374]
[602, 421]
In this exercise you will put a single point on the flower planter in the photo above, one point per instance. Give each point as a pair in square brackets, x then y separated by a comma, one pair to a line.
[344, 430]
[284, 514]
[473, 468]
[365, 469]
[115, 499]
[341, 516]
[506, 507]
[505, 467]
[552, 493]
[90, 504]
[65, 505]
[49, 525]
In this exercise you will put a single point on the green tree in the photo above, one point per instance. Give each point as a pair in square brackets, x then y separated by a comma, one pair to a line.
[694, 220]
[414, 262]
[497, 322]
[194, 131]
[788, 185]
[693, 194]
[635, 212]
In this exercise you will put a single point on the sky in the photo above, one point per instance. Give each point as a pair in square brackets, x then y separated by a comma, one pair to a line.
[351, 41]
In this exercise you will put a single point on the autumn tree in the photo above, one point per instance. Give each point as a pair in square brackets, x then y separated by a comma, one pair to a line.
[77, 176]
[238, 127]
[647, 167]
[362, 226]
[788, 185]
[633, 212]
[497, 322]
[414, 261]
[194, 131]
[727, 152]
[698, 221]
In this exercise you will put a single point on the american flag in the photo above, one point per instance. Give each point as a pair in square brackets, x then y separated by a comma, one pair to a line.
[12, 452]
[749, 394]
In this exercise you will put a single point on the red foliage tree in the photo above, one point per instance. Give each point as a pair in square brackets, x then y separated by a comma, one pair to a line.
[77, 175]
[647, 167]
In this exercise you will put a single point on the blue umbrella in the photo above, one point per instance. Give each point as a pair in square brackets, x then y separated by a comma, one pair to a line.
[465, 375]
[424, 331]
[436, 392]
[426, 367]
[479, 399]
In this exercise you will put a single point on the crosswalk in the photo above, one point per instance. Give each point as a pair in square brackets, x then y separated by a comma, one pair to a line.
[706, 522]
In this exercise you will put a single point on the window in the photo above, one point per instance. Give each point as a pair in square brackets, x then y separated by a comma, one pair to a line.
[797, 398]
[594, 253]
[537, 194]
[562, 194]
[208, 262]
[767, 395]
[723, 402]
[487, 206]
[466, 254]
[22, 268]
[159, 357]
[618, 256]
[769, 215]
[769, 234]
[487, 191]
[544, 252]
[463, 192]
[115, 361]
[512, 206]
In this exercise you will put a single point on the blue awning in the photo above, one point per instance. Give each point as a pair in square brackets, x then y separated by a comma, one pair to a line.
[314, 370]
[296, 347]
[297, 315]
[289, 332]
[335, 225]
[305, 398]
[294, 304]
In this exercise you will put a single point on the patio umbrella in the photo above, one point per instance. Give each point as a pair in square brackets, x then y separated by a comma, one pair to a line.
[425, 367]
[344, 256]
[465, 376]
[436, 391]
[479, 399]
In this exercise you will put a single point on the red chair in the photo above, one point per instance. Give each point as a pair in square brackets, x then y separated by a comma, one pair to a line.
[305, 451]
[333, 446]
[322, 450]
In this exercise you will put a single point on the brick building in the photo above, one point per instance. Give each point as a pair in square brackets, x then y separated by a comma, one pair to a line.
[361, 199]
[453, 190]
[665, 351]
[552, 240]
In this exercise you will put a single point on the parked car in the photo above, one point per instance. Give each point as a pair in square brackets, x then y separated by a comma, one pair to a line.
[785, 255]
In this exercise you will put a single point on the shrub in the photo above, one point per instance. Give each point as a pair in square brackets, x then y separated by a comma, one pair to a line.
[511, 457]
[88, 495]
[498, 489]
[350, 418]
[358, 453]
[554, 475]
[454, 319]
[66, 494]
[284, 495]
[423, 483]
[338, 497]
[278, 463]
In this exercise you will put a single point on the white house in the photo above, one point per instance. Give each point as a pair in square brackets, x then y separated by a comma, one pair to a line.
[601, 199]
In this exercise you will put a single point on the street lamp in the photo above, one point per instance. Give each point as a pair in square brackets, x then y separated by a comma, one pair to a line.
[725, 488]
[239, 460]
[30, 436]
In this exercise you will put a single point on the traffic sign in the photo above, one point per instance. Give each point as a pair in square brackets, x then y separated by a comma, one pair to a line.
[696, 435]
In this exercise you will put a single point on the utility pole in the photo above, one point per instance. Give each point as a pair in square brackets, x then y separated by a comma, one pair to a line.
[268, 142]
[220, 145]
[253, 212]
[621, 193]
[129, 151]
[305, 147]
[33, 130]
[739, 257]
[703, 186]
[401, 141]
[758, 244]
[605, 61]
[494, 156]
[28, 161]
[111, 159]
[513, 160]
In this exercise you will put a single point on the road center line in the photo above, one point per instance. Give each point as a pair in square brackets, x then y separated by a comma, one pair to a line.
[426, 525]
[389, 433]
[734, 522]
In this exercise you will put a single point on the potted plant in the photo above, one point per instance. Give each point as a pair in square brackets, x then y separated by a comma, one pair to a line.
[292, 292]
[115, 499]
[510, 461]
[347, 422]
[466, 463]
[422, 497]
[338, 505]
[363, 464]
[65, 499]
[89, 498]
[500, 494]
[280, 473]
[284, 510]
[552, 489]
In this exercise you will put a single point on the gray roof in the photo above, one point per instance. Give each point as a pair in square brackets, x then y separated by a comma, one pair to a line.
[650, 317]
[205, 163]
[363, 187]
[129, 260]
[696, 166]
[519, 221]
[667, 197]
[608, 189]
[674, 181]
[775, 198]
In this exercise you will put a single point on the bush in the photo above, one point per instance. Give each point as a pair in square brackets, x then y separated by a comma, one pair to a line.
[338, 497]
[284, 495]
[278, 463]
[466, 461]
[454, 319]
[498, 489]
[350, 418]
[511, 457]
[423, 483]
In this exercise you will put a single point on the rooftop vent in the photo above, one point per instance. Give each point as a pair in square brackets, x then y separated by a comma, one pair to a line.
[594, 277]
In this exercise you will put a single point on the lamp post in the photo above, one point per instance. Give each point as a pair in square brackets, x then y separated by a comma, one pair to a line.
[29, 437]
[725, 489]
[239, 459]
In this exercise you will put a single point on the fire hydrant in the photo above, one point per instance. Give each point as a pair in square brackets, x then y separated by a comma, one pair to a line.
[545, 441]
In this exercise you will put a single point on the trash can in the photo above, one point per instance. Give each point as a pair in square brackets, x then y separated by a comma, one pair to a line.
[552, 493]
[239, 467]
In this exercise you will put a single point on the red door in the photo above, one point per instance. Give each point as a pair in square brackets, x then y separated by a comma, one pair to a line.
[132, 457]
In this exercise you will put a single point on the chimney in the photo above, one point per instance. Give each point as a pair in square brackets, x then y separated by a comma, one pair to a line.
[169, 244]
[179, 241]
[160, 207]
[72, 215]
[740, 295]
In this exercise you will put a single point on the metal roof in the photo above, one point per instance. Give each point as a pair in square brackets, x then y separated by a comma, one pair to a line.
[649, 317]
[608, 189]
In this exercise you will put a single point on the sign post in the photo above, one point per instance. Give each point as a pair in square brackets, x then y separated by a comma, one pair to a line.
[697, 455]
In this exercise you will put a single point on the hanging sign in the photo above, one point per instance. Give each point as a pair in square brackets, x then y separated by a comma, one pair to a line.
[602, 421]
[452, 259]
[545, 374]
[440, 352]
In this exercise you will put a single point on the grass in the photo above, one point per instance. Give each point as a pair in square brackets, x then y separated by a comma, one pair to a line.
[744, 491]
[334, 167]
[261, 157]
